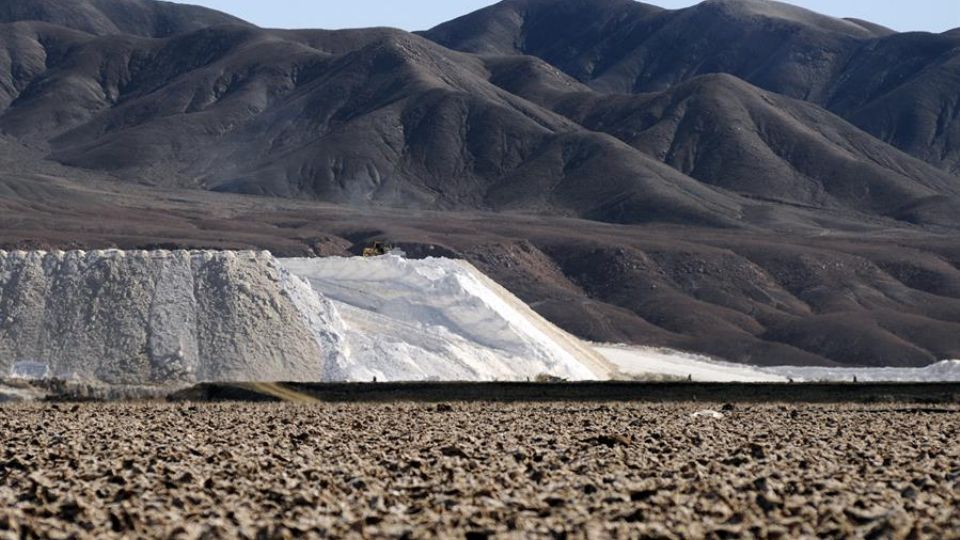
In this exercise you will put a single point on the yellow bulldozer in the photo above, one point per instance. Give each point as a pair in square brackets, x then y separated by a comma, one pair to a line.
[377, 249]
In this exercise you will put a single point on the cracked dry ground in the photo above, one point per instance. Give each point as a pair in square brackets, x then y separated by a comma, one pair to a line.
[478, 470]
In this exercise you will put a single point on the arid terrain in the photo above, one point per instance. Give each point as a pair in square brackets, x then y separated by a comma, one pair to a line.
[479, 470]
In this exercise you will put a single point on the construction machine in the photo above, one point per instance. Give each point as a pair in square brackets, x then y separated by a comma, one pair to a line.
[376, 249]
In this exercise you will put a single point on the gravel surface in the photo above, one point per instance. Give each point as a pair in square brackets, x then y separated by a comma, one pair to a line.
[479, 470]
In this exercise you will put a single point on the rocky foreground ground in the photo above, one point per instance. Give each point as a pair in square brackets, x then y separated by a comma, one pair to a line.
[479, 470]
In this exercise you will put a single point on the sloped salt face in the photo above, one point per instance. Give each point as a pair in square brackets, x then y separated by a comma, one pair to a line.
[162, 317]
[439, 319]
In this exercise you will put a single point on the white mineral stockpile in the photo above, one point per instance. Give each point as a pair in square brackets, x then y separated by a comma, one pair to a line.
[148, 318]
[649, 363]
[440, 319]
[162, 317]
[946, 371]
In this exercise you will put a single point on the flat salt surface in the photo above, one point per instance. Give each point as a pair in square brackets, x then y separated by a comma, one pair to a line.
[650, 362]
[946, 371]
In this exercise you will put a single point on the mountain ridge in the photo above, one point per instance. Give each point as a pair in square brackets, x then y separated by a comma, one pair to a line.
[774, 46]
[384, 118]
[102, 17]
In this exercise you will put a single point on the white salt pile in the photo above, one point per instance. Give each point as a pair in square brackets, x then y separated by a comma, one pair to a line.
[163, 317]
[441, 319]
[156, 317]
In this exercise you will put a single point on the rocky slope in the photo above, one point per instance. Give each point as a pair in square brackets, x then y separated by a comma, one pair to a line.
[724, 132]
[391, 119]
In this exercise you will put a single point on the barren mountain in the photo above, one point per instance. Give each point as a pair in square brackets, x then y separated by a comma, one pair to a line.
[719, 179]
[727, 133]
[868, 74]
[107, 17]
[383, 118]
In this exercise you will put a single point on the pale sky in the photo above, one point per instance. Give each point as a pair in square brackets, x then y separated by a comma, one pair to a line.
[903, 15]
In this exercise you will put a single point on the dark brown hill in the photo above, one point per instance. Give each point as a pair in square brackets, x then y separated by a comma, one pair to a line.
[396, 121]
[383, 117]
[730, 134]
[622, 46]
[902, 88]
[107, 17]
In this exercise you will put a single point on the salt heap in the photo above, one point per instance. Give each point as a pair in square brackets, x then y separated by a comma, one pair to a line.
[180, 317]
[441, 319]
[160, 317]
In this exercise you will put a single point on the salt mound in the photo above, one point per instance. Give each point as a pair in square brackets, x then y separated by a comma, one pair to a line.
[440, 319]
[165, 317]
[160, 317]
